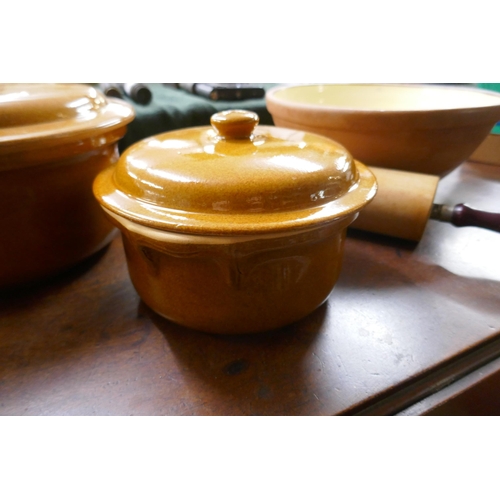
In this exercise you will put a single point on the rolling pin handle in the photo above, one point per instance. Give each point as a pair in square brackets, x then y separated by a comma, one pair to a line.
[466, 216]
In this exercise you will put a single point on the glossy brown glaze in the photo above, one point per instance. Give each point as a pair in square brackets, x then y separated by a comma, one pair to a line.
[196, 181]
[243, 224]
[238, 287]
[40, 115]
[54, 139]
[50, 218]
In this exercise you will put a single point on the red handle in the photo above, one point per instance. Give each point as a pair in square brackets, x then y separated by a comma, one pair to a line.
[466, 216]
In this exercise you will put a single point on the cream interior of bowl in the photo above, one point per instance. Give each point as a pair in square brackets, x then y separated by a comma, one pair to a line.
[372, 97]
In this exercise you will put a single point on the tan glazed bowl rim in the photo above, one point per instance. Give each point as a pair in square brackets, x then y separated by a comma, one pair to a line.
[444, 97]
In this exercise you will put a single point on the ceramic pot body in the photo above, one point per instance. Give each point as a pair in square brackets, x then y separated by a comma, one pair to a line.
[235, 229]
[49, 218]
[418, 128]
[235, 285]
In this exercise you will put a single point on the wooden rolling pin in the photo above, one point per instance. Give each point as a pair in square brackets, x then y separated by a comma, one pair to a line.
[405, 202]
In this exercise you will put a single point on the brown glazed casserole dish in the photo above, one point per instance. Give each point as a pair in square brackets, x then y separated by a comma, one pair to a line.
[235, 228]
[54, 140]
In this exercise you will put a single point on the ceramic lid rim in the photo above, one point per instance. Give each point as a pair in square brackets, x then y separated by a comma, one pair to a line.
[360, 193]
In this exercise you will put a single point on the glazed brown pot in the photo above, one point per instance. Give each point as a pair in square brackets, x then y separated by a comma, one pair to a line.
[237, 228]
[54, 140]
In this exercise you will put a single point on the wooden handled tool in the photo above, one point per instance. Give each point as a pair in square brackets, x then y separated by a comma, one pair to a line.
[461, 215]
[405, 202]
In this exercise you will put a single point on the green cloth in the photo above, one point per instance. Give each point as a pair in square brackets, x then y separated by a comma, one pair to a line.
[495, 87]
[171, 108]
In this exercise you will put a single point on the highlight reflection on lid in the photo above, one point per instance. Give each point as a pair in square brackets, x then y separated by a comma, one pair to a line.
[254, 174]
[40, 112]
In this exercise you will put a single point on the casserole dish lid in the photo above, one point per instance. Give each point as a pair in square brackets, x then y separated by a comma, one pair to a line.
[234, 177]
[37, 116]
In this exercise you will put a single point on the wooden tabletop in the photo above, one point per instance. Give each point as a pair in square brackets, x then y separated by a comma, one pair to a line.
[404, 321]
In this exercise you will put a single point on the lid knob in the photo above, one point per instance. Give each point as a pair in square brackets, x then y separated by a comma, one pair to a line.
[235, 123]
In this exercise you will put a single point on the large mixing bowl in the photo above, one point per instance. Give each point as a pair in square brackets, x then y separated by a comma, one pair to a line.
[237, 228]
[420, 128]
[54, 139]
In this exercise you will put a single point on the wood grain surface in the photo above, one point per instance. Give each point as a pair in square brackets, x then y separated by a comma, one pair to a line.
[404, 321]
